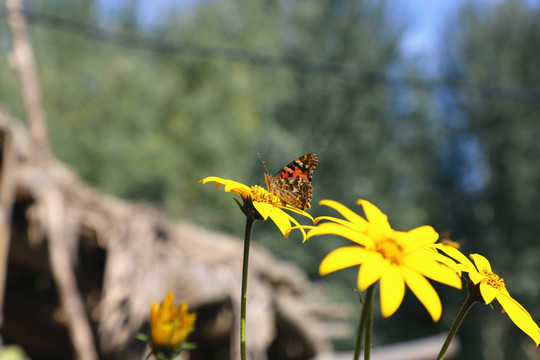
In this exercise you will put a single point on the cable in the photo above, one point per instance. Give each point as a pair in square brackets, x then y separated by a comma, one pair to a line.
[331, 69]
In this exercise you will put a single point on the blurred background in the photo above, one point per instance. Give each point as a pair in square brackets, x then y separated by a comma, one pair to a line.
[429, 109]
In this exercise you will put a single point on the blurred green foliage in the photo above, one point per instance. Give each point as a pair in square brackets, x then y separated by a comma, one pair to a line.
[147, 124]
[498, 46]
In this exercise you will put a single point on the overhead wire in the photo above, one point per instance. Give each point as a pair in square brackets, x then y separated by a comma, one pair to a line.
[322, 68]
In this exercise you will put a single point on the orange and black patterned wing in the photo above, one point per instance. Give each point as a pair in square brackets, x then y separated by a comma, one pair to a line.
[292, 184]
[302, 167]
[296, 191]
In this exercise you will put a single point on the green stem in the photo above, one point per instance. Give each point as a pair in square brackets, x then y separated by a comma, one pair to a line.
[368, 321]
[360, 330]
[469, 302]
[250, 219]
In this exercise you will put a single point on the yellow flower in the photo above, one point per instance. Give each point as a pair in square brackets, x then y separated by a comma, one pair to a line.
[491, 287]
[169, 324]
[266, 204]
[395, 258]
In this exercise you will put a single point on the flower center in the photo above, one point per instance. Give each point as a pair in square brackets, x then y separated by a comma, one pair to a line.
[390, 249]
[494, 280]
[262, 195]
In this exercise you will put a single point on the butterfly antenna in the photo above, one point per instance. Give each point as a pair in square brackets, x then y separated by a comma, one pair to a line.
[264, 163]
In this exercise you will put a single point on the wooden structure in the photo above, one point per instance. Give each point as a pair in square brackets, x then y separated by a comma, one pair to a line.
[83, 266]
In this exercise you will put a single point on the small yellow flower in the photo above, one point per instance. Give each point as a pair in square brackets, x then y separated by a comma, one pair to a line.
[492, 287]
[395, 258]
[169, 324]
[266, 204]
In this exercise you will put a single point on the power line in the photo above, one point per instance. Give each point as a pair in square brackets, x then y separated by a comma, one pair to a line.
[330, 69]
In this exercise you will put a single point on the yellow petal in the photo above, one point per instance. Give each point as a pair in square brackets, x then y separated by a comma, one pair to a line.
[376, 217]
[343, 231]
[373, 267]
[423, 263]
[507, 294]
[520, 317]
[169, 324]
[230, 185]
[281, 219]
[342, 258]
[448, 261]
[488, 292]
[392, 290]
[482, 264]
[418, 238]
[218, 180]
[346, 212]
[476, 277]
[161, 334]
[298, 226]
[154, 309]
[298, 211]
[169, 300]
[425, 292]
[264, 209]
[341, 222]
[457, 255]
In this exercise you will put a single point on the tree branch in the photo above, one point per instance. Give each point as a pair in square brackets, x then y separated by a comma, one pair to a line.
[24, 63]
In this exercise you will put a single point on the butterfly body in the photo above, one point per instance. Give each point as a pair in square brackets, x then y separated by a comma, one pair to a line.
[292, 184]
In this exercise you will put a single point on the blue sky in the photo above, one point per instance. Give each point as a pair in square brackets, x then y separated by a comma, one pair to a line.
[425, 22]
[425, 18]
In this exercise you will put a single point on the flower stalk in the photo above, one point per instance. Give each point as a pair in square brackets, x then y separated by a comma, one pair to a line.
[472, 298]
[364, 325]
[360, 330]
[257, 204]
[250, 219]
[368, 321]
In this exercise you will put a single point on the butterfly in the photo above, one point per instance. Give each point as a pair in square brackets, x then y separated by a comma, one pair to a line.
[292, 184]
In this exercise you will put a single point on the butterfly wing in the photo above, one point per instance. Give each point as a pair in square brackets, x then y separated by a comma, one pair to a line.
[292, 184]
[302, 167]
[296, 191]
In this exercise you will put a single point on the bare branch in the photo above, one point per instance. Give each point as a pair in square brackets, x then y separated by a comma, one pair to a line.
[7, 191]
[24, 63]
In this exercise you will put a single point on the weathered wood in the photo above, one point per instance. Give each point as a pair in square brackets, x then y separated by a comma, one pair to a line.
[109, 258]
[24, 63]
[7, 193]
